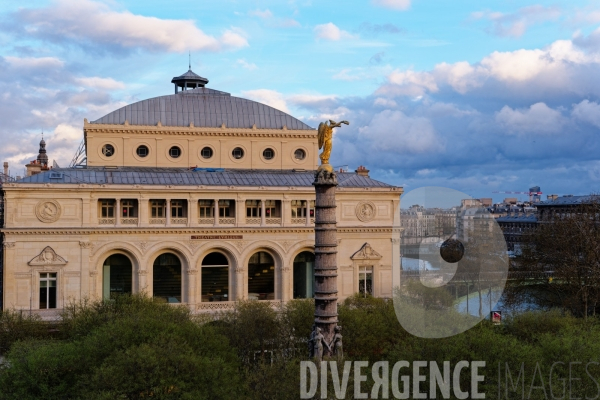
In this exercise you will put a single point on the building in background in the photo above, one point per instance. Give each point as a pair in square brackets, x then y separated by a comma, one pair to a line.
[199, 198]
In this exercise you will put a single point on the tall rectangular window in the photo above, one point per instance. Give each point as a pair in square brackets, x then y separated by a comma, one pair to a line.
[47, 290]
[225, 208]
[298, 208]
[253, 208]
[129, 208]
[107, 208]
[157, 208]
[271, 209]
[207, 209]
[365, 281]
[177, 209]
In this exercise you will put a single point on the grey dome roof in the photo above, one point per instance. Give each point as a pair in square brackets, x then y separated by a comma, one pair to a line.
[204, 108]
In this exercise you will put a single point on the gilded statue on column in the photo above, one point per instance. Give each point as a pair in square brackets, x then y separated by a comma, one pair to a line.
[326, 137]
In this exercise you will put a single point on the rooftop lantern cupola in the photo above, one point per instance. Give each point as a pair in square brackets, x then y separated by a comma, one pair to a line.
[189, 80]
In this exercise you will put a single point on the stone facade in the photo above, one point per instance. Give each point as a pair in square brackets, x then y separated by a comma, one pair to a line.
[62, 227]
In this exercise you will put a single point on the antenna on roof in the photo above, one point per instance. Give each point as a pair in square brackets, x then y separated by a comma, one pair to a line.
[190, 61]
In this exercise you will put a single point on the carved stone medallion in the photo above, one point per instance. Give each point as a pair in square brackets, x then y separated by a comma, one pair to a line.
[48, 211]
[365, 211]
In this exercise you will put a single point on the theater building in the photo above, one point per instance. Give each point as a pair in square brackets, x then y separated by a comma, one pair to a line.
[197, 197]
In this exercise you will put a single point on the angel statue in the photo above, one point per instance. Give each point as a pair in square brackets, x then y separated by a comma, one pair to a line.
[326, 137]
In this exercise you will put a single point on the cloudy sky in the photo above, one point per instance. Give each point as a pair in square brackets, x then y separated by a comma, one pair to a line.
[475, 96]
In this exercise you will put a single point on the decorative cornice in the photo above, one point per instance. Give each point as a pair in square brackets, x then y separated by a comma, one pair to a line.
[184, 231]
[90, 129]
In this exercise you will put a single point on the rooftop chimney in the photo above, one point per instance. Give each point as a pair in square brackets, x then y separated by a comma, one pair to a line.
[362, 171]
[5, 168]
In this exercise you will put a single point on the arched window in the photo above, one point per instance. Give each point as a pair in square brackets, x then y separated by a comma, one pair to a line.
[116, 276]
[261, 277]
[167, 278]
[215, 277]
[304, 275]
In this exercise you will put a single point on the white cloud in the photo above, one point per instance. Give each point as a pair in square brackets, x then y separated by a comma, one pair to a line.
[591, 42]
[588, 112]
[330, 31]
[393, 4]
[100, 83]
[34, 62]
[393, 131]
[556, 67]
[383, 102]
[516, 24]
[268, 97]
[245, 64]
[408, 83]
[91, 22]
[539, 118]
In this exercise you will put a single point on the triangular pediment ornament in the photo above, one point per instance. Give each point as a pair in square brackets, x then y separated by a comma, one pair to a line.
[366, 252]
[47, 257]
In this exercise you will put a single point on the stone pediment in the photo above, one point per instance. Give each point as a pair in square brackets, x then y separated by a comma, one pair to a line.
[47, 257]
[366, 252]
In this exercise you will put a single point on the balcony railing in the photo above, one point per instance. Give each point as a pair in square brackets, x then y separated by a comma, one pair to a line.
[106, 221]
[226, 221]
[253, 221]
[129, 221]
[158, 221]
[206, 221]
[298, 221]
[214, 306]
[273, 221]
[179, 221]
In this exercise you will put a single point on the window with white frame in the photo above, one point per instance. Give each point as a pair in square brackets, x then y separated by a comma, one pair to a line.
[47, 290]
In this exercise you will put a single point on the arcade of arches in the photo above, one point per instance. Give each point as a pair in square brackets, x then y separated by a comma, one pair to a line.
[215, 277]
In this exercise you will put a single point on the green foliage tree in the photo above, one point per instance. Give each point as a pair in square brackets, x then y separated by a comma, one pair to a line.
[564, 249]
[132, 348]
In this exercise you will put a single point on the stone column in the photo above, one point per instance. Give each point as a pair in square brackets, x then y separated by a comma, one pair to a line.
[307, 212]
[191, 288]
[84, 269]
[193, 212]
[118, 212]
[216, 211]
[325, 252]
[168, 212]
[262, 213]
[143, 212]
[239, 283]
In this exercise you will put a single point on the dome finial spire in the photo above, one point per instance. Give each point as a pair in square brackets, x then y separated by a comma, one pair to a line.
[190, 61]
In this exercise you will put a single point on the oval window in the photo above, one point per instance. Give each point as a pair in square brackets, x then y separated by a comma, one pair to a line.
[142, 151]
[299, 154]
[268, 154]
[237, 153]
[108, 150]
[175, 152]
[206, 152]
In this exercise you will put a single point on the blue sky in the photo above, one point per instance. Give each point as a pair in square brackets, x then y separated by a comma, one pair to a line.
[470, 95]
